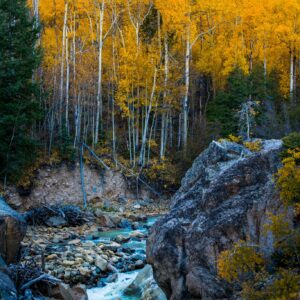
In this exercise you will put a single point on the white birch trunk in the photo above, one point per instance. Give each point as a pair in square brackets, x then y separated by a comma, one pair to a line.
[292, 74]
[67, 83]
[164, 121]
[62, 67]
[144, 138]
[99, 90]
[186, 95]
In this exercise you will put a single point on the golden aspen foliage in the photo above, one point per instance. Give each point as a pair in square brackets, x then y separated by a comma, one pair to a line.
[288, 178]
[241, 259]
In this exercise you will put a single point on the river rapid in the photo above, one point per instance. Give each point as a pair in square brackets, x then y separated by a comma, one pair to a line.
[118, 288]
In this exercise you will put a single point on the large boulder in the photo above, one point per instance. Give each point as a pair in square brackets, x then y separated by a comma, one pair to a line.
[224, 197]
[12, 232]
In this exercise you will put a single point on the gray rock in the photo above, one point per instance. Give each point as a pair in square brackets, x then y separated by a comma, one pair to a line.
[101, 263]
[104, 219]
[124, 223]
[112, 278]
[112, 246]
[137, 206]
[139, 264]
[56, 221]
[224, 197]
[122, 239]
[79, 292]
[12, 232]
[7, 288]
[144, 286]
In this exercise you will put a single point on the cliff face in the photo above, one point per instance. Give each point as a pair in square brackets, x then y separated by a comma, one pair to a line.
[62, 185]
[224, 197]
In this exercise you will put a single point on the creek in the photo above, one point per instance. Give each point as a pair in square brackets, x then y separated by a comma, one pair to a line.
[115, 290]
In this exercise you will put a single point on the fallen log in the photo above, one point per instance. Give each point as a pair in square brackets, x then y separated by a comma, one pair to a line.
[56, 216]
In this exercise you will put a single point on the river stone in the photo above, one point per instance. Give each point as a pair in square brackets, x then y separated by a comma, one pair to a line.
[106, 221]
[7, 288]
[101, 263]
[56, 221]
[79, 292]
[112, 278]
[225, 197]
[139, 264]
[74, 242]
[112, 246]
[143, 284]
[68, 263]
[122, 239]
[84, 271]
[12, 232]
[61, 291]
[137, 234]
[52, 257]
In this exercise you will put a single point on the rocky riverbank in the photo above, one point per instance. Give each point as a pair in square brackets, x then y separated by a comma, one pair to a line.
[83, 254]
[71, 250]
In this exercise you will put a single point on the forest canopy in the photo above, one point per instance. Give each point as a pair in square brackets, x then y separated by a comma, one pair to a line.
[152, 82]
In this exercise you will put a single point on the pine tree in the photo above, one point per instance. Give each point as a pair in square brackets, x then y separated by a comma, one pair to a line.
[19, 108]
[224, 109]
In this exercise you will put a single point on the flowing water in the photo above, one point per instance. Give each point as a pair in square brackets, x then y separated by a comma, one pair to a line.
[114, 290]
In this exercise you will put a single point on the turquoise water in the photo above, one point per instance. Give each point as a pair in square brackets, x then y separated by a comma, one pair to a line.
[111, 234]
[136, 245]
[114, 290]
[106, 236]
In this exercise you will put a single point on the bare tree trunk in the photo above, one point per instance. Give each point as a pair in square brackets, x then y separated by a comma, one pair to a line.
[113, 103]
[164, 120]
[99, 91]
[186, 95]
[292, 75]
[67, 83]
[179, 131]
[77, 121]
[144, 138]
[77, 107]
[36, 14]
[150, 136]
[129, 140]
[62, 67]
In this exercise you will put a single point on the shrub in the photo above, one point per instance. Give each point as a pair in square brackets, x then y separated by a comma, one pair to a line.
[162, 173]
[235, 139]
[288, 178]
[240, 262]
[292, 141]
[254, 146]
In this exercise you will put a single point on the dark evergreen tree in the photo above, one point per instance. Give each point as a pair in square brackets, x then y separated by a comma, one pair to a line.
[222, 111]
[19, 107]
[240, 88]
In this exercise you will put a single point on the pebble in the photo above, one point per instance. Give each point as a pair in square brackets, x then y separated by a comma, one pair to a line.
[52, 257]
[84, 271]
[101, 263]
[74, 242]
[68, 262]
[89, 259]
